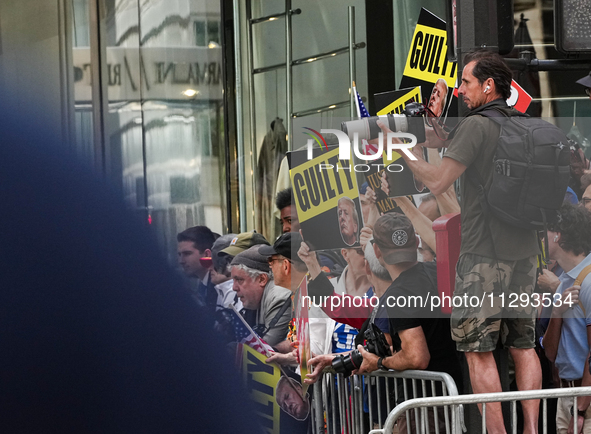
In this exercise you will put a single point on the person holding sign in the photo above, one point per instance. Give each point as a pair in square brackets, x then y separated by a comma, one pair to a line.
[487, 243]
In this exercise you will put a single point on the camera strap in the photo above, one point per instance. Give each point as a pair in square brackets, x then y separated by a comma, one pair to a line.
[359, 339]
[374, 314]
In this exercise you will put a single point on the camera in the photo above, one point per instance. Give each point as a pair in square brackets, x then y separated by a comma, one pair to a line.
[376, 344]
[409, 121]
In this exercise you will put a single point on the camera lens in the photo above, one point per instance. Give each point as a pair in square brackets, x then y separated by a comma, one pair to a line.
[347, 364]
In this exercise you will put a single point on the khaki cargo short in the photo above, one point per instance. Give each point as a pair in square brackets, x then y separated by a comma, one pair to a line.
[505, 311]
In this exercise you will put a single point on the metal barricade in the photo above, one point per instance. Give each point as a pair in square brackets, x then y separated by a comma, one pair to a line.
[483, 399]
[338, 402]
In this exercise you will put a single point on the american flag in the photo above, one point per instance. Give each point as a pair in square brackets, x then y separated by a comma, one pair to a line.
[246, 335]
[361, 110]
[368, 148]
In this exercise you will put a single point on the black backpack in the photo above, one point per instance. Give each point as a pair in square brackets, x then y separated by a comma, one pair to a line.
[531, 171]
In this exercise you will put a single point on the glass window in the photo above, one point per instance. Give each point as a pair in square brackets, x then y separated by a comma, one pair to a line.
[200, 33]
[213, 32]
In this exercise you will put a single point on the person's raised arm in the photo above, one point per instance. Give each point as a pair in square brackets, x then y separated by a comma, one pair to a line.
[421, 223]
[373, 212]
[308, 257]
[437, 178]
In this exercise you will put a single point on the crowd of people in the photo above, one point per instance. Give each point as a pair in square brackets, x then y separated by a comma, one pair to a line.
[396, 258]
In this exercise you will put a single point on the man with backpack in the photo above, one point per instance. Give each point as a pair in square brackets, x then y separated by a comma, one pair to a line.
[497, 260]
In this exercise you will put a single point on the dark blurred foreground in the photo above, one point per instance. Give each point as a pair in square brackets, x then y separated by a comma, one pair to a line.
[96, 333]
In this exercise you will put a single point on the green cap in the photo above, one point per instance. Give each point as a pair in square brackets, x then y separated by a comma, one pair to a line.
[244, 241]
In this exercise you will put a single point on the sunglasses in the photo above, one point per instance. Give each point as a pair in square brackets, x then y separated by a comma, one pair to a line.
[271, 260]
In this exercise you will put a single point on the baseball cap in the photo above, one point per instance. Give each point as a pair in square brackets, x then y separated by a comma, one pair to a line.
[283, 246]
[252, 258]
[395, 236]
[585, 81]
[244, 241]
[219, 244]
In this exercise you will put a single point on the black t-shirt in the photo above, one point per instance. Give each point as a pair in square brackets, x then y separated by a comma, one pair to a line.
[380, 320]
[421, 280]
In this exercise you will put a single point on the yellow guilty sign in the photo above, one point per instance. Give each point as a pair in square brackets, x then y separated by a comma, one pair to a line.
[427, 59]
[318, 184]
[261, 380]
[398, 105]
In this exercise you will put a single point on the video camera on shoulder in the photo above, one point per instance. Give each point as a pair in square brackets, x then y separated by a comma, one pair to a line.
[409, 121]
[376, 343]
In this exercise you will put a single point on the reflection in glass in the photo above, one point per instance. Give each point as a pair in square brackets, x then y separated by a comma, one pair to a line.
[165, 123]
[83, 120]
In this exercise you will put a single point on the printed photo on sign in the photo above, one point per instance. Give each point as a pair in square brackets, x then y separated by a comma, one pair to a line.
[348, 221]
[436, 104]
[291, 398]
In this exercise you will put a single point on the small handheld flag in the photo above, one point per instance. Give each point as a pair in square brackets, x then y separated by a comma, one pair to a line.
[245, 334]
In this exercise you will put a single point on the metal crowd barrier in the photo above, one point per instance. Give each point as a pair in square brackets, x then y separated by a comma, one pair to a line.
[483, 398]
[338, 402]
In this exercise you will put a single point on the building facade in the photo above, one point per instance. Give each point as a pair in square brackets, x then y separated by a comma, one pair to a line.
[171, 100]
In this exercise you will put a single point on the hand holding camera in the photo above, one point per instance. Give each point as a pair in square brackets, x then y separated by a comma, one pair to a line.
[376, 344]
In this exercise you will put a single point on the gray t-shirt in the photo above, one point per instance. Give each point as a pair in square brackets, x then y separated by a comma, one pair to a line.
[474, 145]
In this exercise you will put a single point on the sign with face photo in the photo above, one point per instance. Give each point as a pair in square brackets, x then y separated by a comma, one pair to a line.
[326, 196]
[428, 67]
[281, 404]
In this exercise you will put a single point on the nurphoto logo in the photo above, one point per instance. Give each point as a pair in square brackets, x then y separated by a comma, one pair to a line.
[345, 146]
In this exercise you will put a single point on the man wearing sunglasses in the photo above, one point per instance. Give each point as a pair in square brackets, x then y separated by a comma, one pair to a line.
[289, 271]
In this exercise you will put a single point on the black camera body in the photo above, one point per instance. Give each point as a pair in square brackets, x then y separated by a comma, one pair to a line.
[409, 121]
[376, 343]
[413, 109]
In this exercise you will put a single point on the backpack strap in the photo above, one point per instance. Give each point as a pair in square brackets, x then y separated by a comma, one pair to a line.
[579, 280]
[494, 113]
[499, 117]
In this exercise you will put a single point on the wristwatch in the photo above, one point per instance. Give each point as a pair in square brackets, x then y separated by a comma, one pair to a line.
[581, 413]
[380, 366]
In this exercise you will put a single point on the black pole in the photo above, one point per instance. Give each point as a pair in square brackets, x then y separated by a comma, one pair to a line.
[379, 29]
